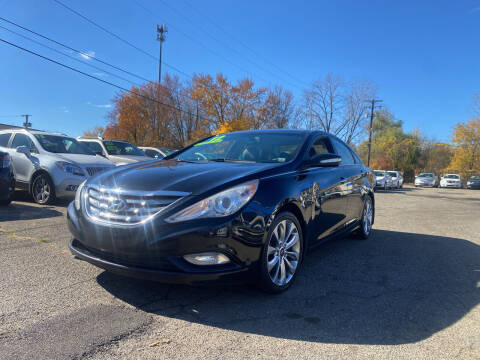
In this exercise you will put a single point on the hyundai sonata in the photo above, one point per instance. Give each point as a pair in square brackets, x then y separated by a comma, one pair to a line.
[232, 207]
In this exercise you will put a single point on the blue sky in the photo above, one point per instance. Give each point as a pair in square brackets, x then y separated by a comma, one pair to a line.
[423, 55]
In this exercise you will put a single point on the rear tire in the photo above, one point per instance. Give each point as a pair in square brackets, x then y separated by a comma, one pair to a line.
[366, 223]
[281, 255]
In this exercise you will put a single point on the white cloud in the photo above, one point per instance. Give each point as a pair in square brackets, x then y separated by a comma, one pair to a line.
[101, 106]
[99, 74]
[88, 55]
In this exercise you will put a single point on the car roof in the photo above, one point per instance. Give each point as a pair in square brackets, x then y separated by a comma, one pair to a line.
[33, 132]
[292, 131]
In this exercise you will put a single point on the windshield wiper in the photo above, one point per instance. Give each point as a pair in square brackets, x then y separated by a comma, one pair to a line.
[231, 160]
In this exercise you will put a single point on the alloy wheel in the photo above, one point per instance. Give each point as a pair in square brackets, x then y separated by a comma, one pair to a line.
[367, 217]
[41, 189]
[283, 253]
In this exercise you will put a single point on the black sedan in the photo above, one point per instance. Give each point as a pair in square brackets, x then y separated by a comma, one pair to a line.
[7, 179]
[230, 208]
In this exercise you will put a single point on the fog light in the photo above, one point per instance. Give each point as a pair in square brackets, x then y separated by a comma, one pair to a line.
[210, 258]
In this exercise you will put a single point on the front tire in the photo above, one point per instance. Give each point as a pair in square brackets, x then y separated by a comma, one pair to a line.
[367, 219]
[282, 254]
[43, 190]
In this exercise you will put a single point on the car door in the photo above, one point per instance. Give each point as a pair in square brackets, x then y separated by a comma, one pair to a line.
[329, 202]
[23, 165]
[352, 178]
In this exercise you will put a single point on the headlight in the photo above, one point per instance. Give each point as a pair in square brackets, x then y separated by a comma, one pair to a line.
[70, 168]
[78, 195]
[219, 205]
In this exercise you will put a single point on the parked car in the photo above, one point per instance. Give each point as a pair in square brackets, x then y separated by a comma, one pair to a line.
[397, 179]
[426, 179]
[7, 179]
[156, 153]
[451, 180]
[383, 180]
[473, 182]
[49, 165]
[248, 212]
[117, 151]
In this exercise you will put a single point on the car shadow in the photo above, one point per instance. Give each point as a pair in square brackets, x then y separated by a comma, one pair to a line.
[394, 288]
[25, 211]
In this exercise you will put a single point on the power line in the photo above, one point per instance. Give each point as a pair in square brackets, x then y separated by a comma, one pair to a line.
[222, 42]
[234, 38]
[98, 79]
[120, 38]
[71, 57]
[73, 49]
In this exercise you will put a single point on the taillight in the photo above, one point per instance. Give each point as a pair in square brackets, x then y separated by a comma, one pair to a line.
[4, 160]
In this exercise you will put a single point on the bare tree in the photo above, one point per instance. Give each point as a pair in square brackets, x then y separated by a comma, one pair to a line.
[323, 104]
[476, 104]
[356, 109]
[277, 110]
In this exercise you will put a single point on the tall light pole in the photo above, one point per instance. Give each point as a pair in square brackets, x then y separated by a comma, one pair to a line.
[372, 110]
[161, 31]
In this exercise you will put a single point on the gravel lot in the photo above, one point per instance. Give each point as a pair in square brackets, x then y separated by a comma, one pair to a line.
[411, 291]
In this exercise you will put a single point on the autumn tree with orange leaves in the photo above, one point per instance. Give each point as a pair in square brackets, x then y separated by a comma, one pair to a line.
[174, 114]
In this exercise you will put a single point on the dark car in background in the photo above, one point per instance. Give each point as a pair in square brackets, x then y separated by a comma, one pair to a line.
[473, 182]
[7, 179]
[230, 208]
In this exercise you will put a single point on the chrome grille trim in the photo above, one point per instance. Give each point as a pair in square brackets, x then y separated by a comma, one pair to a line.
[95, 170]
[123, 207]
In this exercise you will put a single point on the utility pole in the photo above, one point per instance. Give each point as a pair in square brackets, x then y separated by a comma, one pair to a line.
[26, 124]
[372, 110]
[161, 30]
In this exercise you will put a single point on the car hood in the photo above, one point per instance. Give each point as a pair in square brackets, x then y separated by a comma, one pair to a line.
[170, 175]
[85, 160]
[127, 159]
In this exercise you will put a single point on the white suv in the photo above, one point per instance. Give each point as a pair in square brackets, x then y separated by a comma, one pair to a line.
[118, 151]
[49, 165]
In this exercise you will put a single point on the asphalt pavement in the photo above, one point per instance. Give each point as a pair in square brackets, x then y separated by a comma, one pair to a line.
[410, 291]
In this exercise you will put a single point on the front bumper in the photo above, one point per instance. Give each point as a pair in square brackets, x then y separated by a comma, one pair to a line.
[451, 185]
[429, 184]
[154, 251]
[68, 186]
[474, 186]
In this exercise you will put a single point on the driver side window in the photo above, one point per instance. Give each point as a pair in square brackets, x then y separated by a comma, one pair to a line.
[24, 140]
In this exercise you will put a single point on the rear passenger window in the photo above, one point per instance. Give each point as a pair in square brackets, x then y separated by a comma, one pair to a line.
[4, 139]
[344, 152]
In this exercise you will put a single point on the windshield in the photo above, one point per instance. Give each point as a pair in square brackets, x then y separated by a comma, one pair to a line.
[451, 177]
[429, 175]
[122, 148]
[247, 147]
[166, 151]
[379, 173]
[475, 177]
[392, 173]
[62, 145]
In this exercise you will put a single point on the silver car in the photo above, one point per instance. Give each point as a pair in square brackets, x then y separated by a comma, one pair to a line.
[397, 179]
[49, 165]
[426, 179]
[118, 151]
[382, 179]
[156, 153]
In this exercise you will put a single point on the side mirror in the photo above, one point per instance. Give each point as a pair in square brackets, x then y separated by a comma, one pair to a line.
[324, 160]
[23, 150]
[99, 153]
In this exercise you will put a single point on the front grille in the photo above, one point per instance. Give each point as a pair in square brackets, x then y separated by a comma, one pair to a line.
[95, 170]
[116, 206]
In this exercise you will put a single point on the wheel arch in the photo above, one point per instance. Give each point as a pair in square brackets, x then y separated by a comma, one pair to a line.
[293, 208]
